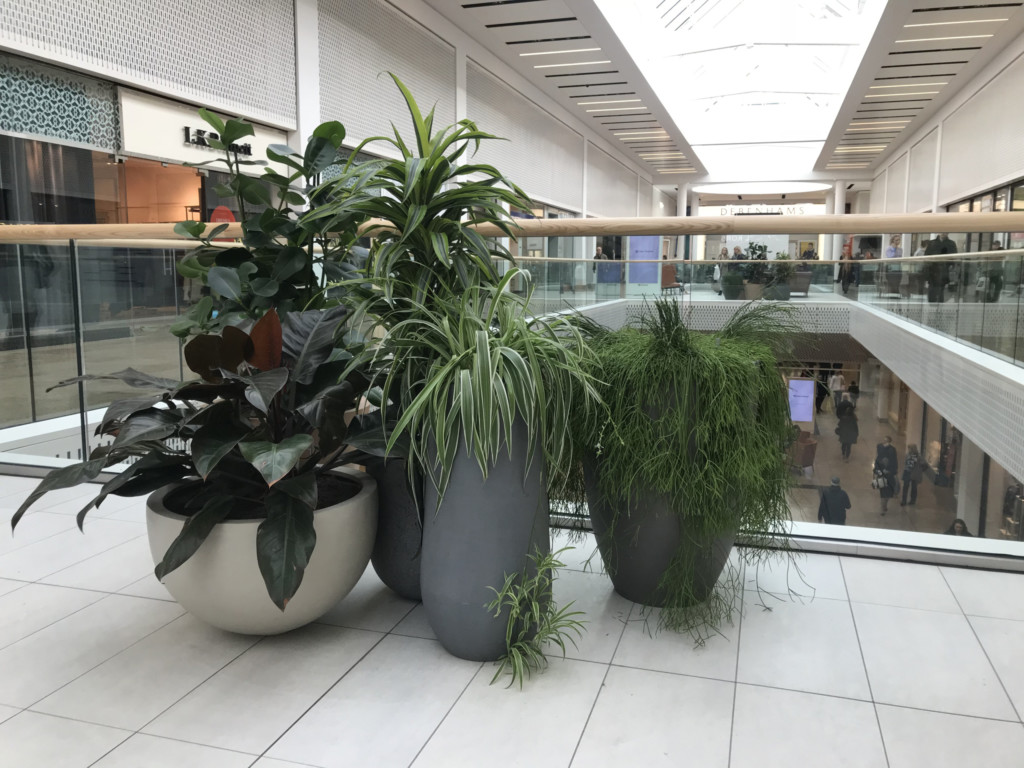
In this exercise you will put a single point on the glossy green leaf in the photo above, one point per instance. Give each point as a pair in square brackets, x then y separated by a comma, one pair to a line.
[193, 534]
[275, 460]
[212, 443]
[152, 424]
[284, 544]
[65, 477]
[225, 281]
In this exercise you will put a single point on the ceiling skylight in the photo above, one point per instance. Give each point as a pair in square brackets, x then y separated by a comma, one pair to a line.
[739, 74]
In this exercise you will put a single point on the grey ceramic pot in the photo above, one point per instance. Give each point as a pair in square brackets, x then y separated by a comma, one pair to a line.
[396, 550]
[639, 540]
[483, 530]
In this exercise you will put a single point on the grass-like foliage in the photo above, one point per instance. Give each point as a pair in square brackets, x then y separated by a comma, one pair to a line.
[534, 621]
[468, 365]
[702, 420]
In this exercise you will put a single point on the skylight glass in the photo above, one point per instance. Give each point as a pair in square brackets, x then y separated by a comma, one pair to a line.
[746, 73]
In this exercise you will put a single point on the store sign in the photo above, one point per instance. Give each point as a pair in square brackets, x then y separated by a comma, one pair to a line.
[160, 129]
[197, 137]
[760, 209]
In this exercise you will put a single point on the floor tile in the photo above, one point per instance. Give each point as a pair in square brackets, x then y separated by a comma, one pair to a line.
[604, 614]
[802, 646]
[907, 585]
[370, 605]
[1003, 641]
[36, 606]
[40, 664]
[647, 718]
[33, 527]
[415, 624]
[55, 553]
[136, 685]
[643, 647]
[580, 550]
[261, 694]
[914, 738]
[30, 740]
[147, 586]
[266, 762]
[987, 593]
[406, 681]
[6, 713]
[108, 571]
[9, 585]
[552, 708]
[802, 577]
[773, 728]
[19, 487]
[154, 752]
[929, 660]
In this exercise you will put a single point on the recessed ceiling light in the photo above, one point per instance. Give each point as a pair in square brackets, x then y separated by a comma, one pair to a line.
[762, 188]
[572, 64]
[907, 85]
[878, 122]
[890, 95]
[935, 39]
[833, 166]
[850, 150]
[677, 170]
[652, 131]
[614, 101]
[615, 109]
[552, 53]
[876, 130]
[947, 23]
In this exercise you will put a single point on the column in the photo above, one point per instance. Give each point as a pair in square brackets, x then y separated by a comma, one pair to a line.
[839, 208]
[682, 201]
[882, 394]
[915, 418]
[307, 72]
[968, 484]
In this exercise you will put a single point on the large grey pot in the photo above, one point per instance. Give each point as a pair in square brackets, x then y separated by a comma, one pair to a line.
[396, 550]
[483, 530]
[639, 540]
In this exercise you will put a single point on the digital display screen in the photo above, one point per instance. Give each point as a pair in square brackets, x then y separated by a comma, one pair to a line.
[801, 399]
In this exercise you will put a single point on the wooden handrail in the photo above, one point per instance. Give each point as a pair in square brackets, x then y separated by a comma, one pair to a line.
[851, 224]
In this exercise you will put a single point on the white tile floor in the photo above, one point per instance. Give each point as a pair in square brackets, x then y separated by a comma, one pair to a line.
[876, 664]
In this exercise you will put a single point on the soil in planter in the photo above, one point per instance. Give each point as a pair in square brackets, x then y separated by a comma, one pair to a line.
[330, 489]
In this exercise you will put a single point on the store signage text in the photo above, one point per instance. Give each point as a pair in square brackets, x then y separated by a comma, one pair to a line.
[740, 210]
[201, 138]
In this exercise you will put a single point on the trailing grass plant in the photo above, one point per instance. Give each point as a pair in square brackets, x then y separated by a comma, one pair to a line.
[534, 621]
[702, 420]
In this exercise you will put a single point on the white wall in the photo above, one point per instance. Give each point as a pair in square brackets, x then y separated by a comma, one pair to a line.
[973, 142]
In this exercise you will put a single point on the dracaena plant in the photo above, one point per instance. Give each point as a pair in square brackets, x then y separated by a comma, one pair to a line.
[291, 252]
[423, 221]
[251, 438]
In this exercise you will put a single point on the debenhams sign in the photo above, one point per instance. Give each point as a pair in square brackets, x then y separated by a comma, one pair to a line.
[797, 209]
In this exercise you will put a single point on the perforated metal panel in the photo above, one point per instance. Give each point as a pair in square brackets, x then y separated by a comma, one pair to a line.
[896, 185]
[985, 123]
[611, 187]
[54, 104]
[236, 55]
[979, 395]
[361, 41]
[877, 202]
[542, 154]
[922, 173]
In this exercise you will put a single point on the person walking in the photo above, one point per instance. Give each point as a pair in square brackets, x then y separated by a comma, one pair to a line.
[885, 482]
[847, 430]
[836, 385]
[833, 504]
[854, 391]
[913, 471]
[886, 450]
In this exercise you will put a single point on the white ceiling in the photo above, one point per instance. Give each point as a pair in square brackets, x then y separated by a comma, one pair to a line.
[745, 90]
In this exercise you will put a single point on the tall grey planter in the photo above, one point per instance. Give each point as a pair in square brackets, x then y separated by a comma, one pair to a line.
[639, 540]
[396, 550]
[483, 530]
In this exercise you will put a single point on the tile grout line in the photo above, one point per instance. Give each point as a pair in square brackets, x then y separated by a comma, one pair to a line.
[101, 663]
[330, 688]
[445, 716]
[105, 595]
[736, 668]
[600, 688]
[864, 664]
[981, 645]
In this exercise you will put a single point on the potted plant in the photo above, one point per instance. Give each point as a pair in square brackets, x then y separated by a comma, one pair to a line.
[484, 395]
[779, 275]
[692, 454]
[250, 528]
[756, 271]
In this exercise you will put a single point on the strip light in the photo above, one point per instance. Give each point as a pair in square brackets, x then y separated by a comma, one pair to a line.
[890, 95]
[936, 39]
[946, 23]
[572, 64]
[552, 53]
[615, 109]
[907, 85]
[878, 122]
[614, 101]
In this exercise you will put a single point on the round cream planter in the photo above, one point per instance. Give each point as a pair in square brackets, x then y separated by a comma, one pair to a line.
[221, 583]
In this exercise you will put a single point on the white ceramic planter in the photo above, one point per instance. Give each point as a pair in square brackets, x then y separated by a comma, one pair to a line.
[221, 583]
